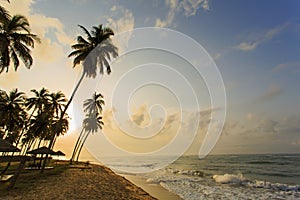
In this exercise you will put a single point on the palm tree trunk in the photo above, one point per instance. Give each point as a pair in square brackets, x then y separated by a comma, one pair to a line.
[79, 151]
[51, 144]
[72, 96]
[77, 145]
[25, 127]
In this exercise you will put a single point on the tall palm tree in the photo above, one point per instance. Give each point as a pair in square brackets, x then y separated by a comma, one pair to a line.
[12, 113]
[92, 123]
[94, 52]
[57, 103]
[16, 42]
[92, 106]
[39, 101]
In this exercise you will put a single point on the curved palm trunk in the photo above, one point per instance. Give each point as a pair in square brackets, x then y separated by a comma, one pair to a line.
[52, 141]
[79, 151]
[78, 142]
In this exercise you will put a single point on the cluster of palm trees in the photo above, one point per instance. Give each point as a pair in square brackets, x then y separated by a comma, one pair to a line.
[28, 122]
[43, 117]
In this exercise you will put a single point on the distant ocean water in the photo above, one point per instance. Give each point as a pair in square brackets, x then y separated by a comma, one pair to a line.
[225, 176]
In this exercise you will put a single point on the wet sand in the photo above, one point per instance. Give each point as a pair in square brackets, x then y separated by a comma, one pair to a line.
[154, 190]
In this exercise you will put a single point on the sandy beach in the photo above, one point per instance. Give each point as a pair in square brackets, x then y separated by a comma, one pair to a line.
[80, 182]
[88, 182]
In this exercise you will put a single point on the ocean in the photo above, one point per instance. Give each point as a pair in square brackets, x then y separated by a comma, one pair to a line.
[223, 176]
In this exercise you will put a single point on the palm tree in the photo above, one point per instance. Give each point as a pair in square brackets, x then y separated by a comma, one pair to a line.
[94, 52]
[47, 107]
[45, 110]
[39, 101]
[94, 104]
[16, 42]
[91, 106]
[12, 113]
[92, 123]
[4, 15]
[57, 103]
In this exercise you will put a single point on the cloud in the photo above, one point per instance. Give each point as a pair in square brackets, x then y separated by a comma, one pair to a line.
[261, 38]
[250, 116]
[188, 7]
[272, 92]
[50, 49]
[141, 115]
[262, 136]
[172, 6]
[268, 126]
[49, 56]
[185, 124]
[216, 56]
[287, 65]
[120, 20]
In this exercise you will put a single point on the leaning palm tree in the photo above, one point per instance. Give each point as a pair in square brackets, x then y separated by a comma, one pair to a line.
[16, 42]
[94, 52]
[92, 123]
[92, 105]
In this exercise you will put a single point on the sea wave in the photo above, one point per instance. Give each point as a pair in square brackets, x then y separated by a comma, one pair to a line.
[241, 180]
[185, 172]
[230, 178]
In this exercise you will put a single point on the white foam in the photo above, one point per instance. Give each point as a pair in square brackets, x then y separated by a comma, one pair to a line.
[229, 178]
[190, 187]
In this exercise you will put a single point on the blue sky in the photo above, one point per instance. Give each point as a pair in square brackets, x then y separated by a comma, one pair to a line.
[255, 45]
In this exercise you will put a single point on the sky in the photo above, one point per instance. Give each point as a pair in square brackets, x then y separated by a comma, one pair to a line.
[254, 46]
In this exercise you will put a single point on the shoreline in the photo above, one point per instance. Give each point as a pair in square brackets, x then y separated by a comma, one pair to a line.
[153, 189]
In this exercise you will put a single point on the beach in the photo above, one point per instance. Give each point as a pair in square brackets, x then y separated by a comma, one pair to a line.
[80, 182]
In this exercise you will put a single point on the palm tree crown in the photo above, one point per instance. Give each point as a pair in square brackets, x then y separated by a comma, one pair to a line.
[94, 104]
[94, 51]
[16, 41]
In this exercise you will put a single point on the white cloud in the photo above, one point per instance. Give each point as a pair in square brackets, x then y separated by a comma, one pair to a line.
[188, 7]
[49, 49]
[120, 20]
[247, 46]
[261, 38]
[216, 56]
[50, 67]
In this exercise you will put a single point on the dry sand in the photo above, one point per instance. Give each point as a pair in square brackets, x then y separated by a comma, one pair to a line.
[96, 182]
